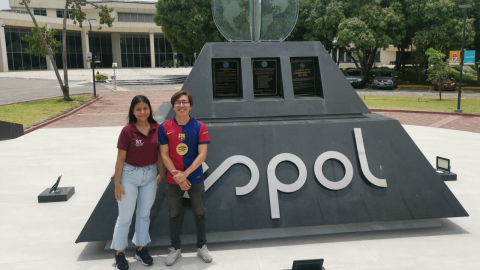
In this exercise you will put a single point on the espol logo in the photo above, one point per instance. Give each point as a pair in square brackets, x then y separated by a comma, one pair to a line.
[274, 185]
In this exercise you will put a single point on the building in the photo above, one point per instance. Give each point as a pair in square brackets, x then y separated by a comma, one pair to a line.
[134, 40]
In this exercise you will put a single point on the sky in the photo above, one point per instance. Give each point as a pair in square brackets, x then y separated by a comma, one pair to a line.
[4, 4]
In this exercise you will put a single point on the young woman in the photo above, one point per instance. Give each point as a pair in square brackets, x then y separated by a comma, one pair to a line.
[138, 172]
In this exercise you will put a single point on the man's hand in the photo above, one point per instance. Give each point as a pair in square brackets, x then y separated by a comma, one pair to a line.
[179, 176]
[185, 185]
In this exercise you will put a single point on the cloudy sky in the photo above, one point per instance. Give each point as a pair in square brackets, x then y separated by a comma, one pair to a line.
[4, 4]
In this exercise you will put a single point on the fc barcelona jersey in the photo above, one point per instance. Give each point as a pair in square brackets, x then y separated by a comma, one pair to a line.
[183, 144]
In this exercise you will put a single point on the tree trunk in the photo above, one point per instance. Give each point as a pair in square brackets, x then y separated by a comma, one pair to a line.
[49, 51]
[66, 89]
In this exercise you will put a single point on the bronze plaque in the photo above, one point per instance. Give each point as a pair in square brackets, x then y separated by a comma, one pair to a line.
[265, 77]
[226, 78]
[303, 76]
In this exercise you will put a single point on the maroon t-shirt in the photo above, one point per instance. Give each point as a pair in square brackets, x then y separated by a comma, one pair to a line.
[141, 150]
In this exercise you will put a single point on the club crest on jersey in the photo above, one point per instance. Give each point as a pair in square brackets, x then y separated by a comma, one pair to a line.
[138, 143]
[181, 137]
[182, 149]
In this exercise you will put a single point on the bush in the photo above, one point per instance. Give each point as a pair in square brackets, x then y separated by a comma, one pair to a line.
[186, 63]
[179, 63]
[164, 63]
[101, 77]
[170, 63]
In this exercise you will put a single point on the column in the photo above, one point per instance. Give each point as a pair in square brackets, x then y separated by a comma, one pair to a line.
[116, 51]
[175, 59]
[152, 47]
[3, 49]
[85, 46]
[49, 63]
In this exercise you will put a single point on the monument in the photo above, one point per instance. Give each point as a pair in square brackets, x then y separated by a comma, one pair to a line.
[293, 147]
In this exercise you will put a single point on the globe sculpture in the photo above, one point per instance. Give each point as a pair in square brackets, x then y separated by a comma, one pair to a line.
[255, 20]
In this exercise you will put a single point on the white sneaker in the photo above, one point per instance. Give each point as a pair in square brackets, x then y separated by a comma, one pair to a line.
[204, 254]
[173, 256]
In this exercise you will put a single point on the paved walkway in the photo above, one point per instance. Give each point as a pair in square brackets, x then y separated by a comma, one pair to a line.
[113, 108]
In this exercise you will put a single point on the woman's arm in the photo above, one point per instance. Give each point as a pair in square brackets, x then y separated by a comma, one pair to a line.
[161, 168]
[121, 156]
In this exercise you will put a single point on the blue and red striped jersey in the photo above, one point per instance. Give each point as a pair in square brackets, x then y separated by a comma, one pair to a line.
[183, 144]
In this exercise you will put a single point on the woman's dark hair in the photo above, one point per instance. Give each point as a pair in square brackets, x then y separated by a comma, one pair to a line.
[137, 99]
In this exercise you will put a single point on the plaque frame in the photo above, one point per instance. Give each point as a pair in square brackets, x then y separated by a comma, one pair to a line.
[317, 84]
[278, 77]
[239, 92]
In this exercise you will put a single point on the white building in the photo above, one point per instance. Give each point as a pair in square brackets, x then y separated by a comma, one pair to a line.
[134, 40]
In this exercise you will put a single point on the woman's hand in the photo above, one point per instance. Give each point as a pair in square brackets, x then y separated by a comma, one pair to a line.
[159, 179]
[118, 192]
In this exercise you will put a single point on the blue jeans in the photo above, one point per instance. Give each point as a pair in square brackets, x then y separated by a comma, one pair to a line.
[175, 211]
[141, 183]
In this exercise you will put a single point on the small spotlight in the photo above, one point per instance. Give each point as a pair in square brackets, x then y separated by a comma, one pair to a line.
[316, 264]
[443, 169]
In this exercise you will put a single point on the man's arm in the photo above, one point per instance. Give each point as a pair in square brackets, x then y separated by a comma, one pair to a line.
[202, 154]
[167, 161]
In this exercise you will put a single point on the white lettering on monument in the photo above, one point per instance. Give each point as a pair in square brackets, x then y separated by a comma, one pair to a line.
[274, 185]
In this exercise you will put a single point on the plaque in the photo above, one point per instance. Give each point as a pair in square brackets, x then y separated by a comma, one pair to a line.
[265, 77]
[226, 78]
[303, 76]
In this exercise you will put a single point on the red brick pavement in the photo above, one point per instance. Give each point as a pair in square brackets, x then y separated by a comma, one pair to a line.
[112, 110]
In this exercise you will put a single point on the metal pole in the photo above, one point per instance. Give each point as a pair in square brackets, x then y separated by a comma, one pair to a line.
[254, 11]
[461, 62]
[90, 37]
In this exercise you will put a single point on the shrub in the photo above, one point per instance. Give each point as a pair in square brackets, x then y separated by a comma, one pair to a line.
[101, 77]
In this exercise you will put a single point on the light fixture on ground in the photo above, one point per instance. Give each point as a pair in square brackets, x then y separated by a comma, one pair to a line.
[464, 7]
[90, 37]
[443, 169]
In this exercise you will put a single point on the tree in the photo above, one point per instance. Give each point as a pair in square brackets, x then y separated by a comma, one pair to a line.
[368, 26]
[441, 27]
[78, 16]
[187, 24]
[439, 71]
[318, 20]
[37, 47]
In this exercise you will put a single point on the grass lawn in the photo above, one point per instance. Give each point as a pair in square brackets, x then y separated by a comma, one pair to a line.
[33, 112]
[424, 104]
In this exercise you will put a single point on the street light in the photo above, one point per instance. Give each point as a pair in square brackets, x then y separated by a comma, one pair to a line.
[90, 37]
[464, 7]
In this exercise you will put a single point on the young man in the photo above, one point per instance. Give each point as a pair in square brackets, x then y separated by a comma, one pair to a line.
[183, 147]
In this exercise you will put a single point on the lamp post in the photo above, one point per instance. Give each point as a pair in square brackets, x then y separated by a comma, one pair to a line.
[464, 7]
[90, 40]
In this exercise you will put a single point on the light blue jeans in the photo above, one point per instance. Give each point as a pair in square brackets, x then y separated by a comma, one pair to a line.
[140, 185]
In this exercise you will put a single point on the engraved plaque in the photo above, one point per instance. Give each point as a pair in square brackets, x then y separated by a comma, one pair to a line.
[226, 78]
[303, 76]
[265, 77]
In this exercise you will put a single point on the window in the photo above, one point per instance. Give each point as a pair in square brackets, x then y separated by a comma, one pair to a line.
[135, 17]
[60, 13]
[40, 12]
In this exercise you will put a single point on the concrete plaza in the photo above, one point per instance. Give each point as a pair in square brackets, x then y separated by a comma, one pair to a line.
[42, 236]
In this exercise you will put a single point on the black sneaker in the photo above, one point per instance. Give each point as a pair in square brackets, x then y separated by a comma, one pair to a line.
[143, 257]
[120, 262]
